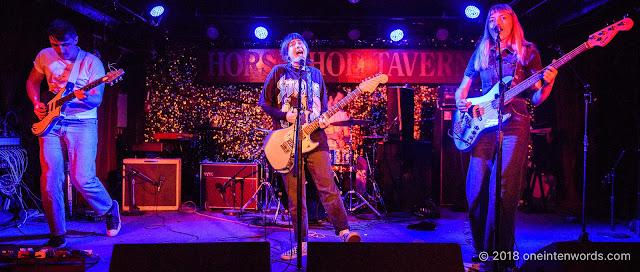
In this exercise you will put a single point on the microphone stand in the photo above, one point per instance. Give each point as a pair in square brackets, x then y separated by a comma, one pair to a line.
[610, 178]
[499, 140]
[233, 181]
[588, 98]
[298, 170]
[131, 172]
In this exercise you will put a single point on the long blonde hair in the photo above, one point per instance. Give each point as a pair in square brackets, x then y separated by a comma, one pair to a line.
[516, 39]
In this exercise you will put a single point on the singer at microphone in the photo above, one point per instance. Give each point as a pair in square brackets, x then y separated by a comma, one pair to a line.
[284, 88]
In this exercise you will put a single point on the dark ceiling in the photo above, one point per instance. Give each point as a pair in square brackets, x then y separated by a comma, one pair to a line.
[332, 19]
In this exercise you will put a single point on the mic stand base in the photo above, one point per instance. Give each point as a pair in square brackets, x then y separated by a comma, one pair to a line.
[583, 237]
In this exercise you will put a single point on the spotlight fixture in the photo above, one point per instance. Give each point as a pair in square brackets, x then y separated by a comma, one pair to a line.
[472, 12]
[261, 32]
[442, 34]
[354, 34]
[212, 32]
[307, 35]
[396, 35]
[157, 11]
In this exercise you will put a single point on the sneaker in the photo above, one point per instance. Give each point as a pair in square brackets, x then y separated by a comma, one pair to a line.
[54, 243]
[293, 252]
[351, 237]
[113, 220]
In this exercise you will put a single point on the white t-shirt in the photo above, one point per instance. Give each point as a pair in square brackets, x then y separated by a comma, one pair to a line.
[57, 72]
[338, 116]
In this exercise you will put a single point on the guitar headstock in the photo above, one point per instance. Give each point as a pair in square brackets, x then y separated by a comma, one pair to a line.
[370, 84]
[113, 76]
[605, 35]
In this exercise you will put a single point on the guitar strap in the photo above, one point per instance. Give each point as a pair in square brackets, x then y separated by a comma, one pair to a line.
[75, 71]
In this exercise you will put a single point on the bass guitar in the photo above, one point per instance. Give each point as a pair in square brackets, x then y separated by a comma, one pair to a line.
[482, 115]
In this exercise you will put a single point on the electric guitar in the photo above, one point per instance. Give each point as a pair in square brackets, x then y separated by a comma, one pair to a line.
[279, 144]
[55, 105]
[482, 115]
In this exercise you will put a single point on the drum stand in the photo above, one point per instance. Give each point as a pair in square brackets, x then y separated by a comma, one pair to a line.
[376, 194]
[351, 191]
[268, 196]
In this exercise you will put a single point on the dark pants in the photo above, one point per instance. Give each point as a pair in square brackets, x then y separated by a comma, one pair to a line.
[482, 176]
[319, 165]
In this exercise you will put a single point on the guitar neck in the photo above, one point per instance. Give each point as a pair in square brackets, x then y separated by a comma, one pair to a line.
[333, 110]
[524, 85]
[72, 95]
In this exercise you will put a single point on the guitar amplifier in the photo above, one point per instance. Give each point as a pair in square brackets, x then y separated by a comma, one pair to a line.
[147, 195]
[219, 182]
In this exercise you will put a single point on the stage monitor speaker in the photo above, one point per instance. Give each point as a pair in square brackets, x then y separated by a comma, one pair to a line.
[147, 196]
[584, 256]
[245, 256]
[450, 163]
[404, 174]
[371, 257]
[219, 182]
[400, 118]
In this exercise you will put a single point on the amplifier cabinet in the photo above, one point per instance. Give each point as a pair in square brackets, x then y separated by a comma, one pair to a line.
[219, 182]
[147, 195]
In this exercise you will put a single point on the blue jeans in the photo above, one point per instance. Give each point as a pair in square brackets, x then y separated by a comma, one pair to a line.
[482, 176]
[76, 139]
[319, 165]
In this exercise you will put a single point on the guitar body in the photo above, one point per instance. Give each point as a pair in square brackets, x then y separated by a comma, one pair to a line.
[55, 107]
[54, 114]
[279, 148]
[481, 117]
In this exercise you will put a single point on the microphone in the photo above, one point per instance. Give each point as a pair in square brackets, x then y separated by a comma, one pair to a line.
[302, 63]
[497, 29]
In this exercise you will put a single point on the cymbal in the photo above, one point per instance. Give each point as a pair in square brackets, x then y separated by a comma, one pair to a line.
[351, 122]
[263, 130]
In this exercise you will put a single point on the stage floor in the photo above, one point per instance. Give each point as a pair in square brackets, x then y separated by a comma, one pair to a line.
[533, 232]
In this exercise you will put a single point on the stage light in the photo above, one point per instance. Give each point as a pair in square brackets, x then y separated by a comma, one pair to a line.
[354, 1]
[261, 32]
[212, 33]
[472, 12]
[442, 34]
[157, 11]
[396, 35]
[354, 34]
[307, 35]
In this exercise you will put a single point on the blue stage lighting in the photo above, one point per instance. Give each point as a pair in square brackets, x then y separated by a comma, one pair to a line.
[472, 12]
[396, 35]
[157, 11]
[261, 32]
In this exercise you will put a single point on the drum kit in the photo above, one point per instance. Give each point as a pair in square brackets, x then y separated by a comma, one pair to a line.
[353, 170]
[357, 169]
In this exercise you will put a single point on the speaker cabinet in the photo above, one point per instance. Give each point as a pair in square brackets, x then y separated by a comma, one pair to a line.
[384, 257]
[584, 256]
[220, 181]
[147, 195]
[245, 256]
[400, 119]
[451, 163]
[404, 174]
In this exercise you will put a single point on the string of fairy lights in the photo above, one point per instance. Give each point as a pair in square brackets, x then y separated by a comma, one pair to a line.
[226, 118]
